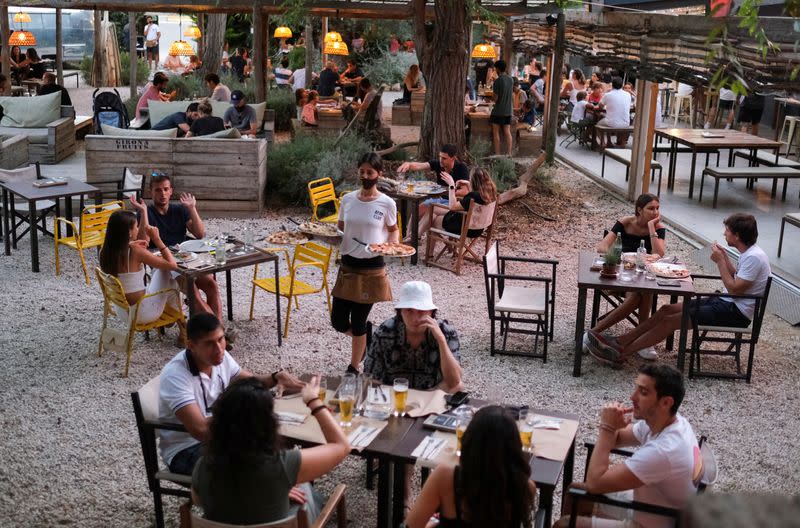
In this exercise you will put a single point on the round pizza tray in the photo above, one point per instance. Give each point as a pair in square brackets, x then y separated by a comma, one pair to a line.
[301, 240]
[378, 253]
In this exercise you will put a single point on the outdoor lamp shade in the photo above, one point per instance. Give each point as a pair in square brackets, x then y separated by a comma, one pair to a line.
[282, 32]
[181, 48]
[333, 36]
[22, 18]
[336, 48]
[483, 51]
[22, 38]
[193, 33]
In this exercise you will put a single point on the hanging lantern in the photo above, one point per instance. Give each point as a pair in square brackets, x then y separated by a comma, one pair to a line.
[193, 32]
[282, 32]
[22, 38]
[333, 36]
[22, 18]
[483, 51]
[336, 48]
[181, 48]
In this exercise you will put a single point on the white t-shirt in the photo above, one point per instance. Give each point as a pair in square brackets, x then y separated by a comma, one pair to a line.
[179, 388]
[366, 221]
[579, 112]
[299, 79]
[726, 95]
[666, 464]
[151, 32]
[618, 108]
[685, 89]
[221, 93]
[754, 267]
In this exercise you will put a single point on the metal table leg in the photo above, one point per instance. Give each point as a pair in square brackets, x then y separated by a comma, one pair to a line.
[384, 492]
[278, 301]
[229, 293]
[415, 231]
[34, 234]
[691, 172]
[579, 326]
[6, 227]
[398, 493]
[684, 334]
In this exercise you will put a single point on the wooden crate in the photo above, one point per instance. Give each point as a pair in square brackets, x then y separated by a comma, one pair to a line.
[529, 143]
[401, 115]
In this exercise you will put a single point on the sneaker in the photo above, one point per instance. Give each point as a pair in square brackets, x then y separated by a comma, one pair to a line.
[602, 350]
[648, 353]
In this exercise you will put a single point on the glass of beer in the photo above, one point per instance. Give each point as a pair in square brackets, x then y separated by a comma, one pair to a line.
[323, 389]
[525, 430]
[464, 418]
[400, 389]
[347, 400]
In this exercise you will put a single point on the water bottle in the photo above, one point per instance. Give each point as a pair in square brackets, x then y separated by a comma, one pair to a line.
[641, 257]
[618, 244]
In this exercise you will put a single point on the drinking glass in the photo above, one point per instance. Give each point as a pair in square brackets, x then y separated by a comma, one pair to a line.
[323, 389]
[219, 250]
[525, 430]
[400, 389]
[464, 418]
[649, 275]
[247, 238]
[347, 399]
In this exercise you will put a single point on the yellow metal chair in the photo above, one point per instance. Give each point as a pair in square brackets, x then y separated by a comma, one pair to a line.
[115, 304]
[321, 192]
[92, 232]
[305, 255]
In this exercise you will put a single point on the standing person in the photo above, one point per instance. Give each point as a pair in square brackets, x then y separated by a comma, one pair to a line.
[490, 486]
[50, 86]
[219, 92]
[239, 115]
[283, 74]
[152, 35]
[238, 64]
[298, 78]
[500, 118]
[482, 67]
[154, 91]
[371, 217]
[205, 124]
[750, 112]
[726, 99]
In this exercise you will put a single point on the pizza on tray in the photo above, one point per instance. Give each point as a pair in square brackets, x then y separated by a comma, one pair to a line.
[320, 229]
[388, 249]
[287, 237]
[668, 270]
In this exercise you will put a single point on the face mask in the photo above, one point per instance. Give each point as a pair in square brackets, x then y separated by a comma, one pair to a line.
[367, 183]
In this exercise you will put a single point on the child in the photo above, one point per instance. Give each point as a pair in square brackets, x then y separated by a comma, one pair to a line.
[299, 101]
[579, 110]
[528, 113]
[309, 115]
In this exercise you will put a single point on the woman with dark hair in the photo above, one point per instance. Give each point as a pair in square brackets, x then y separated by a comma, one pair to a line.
[482, 191]
[366, 216]
[18, 66]
[490, 487]
[245, 477]
[643, 226]
[125, 257]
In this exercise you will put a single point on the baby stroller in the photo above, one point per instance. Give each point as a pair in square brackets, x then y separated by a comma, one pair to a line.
[109, 109]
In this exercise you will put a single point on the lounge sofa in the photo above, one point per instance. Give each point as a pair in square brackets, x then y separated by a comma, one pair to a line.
[49, 127]
[13, 151]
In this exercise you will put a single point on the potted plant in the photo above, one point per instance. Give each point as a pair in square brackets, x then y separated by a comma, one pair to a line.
[611, 264]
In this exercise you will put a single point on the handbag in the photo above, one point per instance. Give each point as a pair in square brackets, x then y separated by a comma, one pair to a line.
[151, 43]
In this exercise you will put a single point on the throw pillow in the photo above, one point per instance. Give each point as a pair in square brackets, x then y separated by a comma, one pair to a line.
[109, 130]
[228, 133]
[31, 112]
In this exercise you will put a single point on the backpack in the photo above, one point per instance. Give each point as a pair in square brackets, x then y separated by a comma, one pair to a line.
[109, 109]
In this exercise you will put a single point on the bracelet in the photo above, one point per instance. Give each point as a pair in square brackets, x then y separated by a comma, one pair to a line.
[311, 400]
[318, 408]
[162, 248]
[607, 427]
[653, 235]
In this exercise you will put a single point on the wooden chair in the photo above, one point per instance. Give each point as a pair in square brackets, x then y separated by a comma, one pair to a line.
[91, 233]
[461, 244]
[705, 475]
[161, 482]
[335, 502]
[115, 304]
[740, 336]
[19, 209]
[525, 305]
[321, 192]
[129, 184]
[306, 255]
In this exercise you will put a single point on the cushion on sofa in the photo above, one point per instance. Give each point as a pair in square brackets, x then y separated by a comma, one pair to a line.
[158, 110]
[31, 112]
[109, 130]
[35, 135]
[220, 107]
[228, 133]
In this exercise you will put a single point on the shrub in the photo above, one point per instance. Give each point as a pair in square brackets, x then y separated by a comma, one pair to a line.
[504, 172]
[188, 87]
[283, 102]
[130, 104]
[479, 148]
[388, 68]
[142, 71]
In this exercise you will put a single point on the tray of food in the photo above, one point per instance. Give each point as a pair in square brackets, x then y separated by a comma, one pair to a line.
[320, 229]
[287, 238]
[388, 249]
[669, 270]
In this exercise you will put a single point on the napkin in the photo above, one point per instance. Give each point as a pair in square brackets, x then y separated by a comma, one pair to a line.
[290, 418]
[429, 448]
[546, 422]
[363, 435]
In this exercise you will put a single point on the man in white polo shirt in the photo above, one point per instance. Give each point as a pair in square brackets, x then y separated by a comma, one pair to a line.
[190, 384]
[617, 104]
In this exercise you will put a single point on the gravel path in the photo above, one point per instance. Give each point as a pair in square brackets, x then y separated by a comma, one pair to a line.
[68, 440]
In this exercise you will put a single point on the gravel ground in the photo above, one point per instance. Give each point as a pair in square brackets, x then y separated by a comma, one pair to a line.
[69, 440]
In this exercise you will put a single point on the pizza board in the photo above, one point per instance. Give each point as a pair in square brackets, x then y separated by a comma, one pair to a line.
[668, 270]
[320, 229]
[391, 250]
[287, 238]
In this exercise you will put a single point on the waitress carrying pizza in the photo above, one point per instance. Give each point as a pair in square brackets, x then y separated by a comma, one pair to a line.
[366, 217]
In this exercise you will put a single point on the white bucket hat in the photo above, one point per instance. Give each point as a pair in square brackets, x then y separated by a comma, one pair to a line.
[416, 295]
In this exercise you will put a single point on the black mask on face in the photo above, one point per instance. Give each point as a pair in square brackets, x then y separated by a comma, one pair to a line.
[367, 183]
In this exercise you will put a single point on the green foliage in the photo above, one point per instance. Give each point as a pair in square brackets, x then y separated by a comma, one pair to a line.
[290, 166]
[130, 104]
[297, 57]
[388, 68]
[187, 87]
[479, 148]
[504, 172]
[283, 102]
[612, 257]
[237, 30]
[142, 70]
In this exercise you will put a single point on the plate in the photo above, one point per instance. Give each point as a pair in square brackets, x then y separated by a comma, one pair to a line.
[182, 257]
[195, 246]
[668, 270]
[320, 229]
[391, 250]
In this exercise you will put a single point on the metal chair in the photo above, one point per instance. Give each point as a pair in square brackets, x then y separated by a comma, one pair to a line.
[129, 184]
[741, 336]
[523, 305]
[461, 244]
[575, 132]
[19, 209]
[321, 192]
[92, 232]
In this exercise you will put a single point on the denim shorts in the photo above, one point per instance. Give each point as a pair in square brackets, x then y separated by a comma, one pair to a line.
[713, 311]
[183, 462]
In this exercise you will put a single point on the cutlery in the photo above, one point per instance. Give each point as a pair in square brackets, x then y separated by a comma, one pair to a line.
[425, 445]
[435, 447]
[362, 435]
[292, 220]
[383, 395]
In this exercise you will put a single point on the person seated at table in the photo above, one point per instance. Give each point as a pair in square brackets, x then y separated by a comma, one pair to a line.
[628, 87]
[205, 124]
[193, 64]
[664, 469]
[190, 385]
[350, 78]
[219, 92]
[300, 99]
[579, 110]
[173, 220]
[5, 89]
[749, 278]
[595, 95]
[482, 191]
[245, 477]
[239, 115]
[410, 85]
[518, 97]
[368, 93]
[50, 86]
[35, 66]
[308, 116]
[491, 485]
[575, 84]
[537, 91]
[153, 91]
[328, 80]
[643, 226]
[16, 59]
[173, 63]
[125, 256]
[415, 345]
[180, 120]
[617, 105]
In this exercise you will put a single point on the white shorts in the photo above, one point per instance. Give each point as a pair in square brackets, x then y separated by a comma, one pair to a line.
[607, 516]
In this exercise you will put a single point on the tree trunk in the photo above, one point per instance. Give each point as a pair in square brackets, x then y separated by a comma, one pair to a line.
[444, 60]
[551, 127]
[98, 78]
[214, 35]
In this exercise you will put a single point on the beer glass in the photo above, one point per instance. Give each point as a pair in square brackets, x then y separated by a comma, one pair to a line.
[400, 389]
[323, 389]
[525, 430]
[347, 400]
[464, 418]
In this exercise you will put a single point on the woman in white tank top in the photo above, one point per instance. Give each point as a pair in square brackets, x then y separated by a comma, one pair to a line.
[125, 257]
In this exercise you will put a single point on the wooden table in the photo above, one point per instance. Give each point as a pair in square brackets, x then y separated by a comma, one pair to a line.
[330, 118]
[412, 200]
[31, 194]
[33, 85]
[697, 143]
[235, 258]
[588, 279]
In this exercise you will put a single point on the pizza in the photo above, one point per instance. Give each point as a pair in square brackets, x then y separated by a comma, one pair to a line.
[320, 229]
[287, 237]
[668, 270]
[387, 249]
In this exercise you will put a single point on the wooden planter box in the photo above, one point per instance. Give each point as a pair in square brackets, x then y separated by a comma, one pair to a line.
[227, 176]
[13, 152]
[401, 115]
[529, 143]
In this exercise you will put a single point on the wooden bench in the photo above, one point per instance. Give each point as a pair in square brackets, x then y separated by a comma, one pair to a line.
[401, 115]
[604, 131]
[790, 218]
[751, 174]
[83, 126]
[624, 156]
[765, 158]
